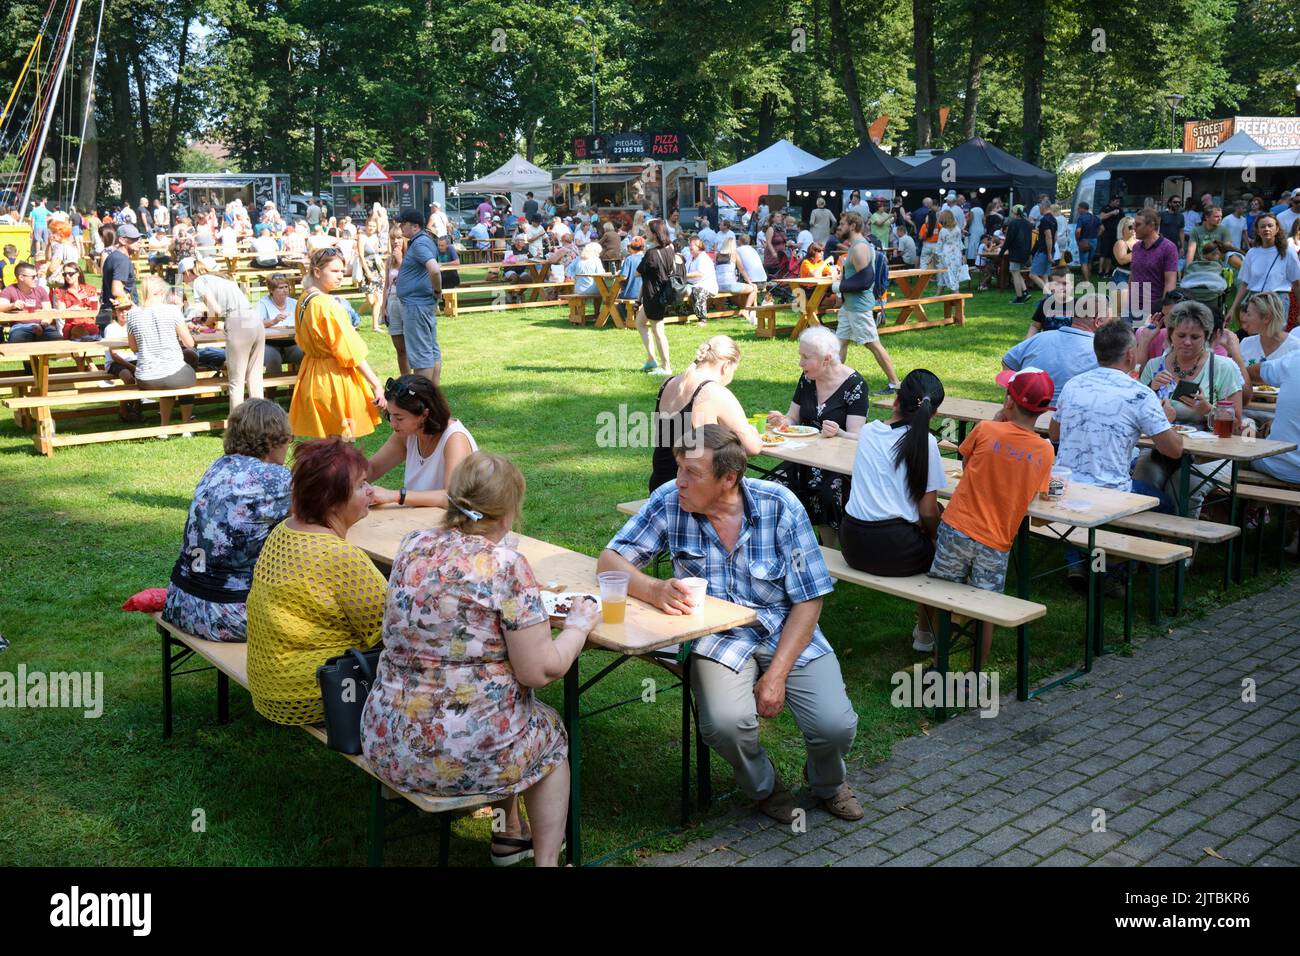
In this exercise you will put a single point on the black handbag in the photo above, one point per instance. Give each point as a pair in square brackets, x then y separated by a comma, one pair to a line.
[345, 683]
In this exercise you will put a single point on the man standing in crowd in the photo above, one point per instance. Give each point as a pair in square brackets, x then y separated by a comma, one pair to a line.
[419, 284]
[1154, 269]
[438, 220]
[161, 218]
[530, 206]
[1016, 247]
[821, 222]
[1210, 229]
[1236, 226]
[313, 213]
[714, 521]
[40, 217]
[119, 273]
[1110, 219]
[1087, 233]
[857, 320]
[1172, 226]
[1036, 211]
[1287, 217]
[1045, 249]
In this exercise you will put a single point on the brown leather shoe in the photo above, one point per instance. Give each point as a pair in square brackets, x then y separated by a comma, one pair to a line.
[844, 804]
[779, 804]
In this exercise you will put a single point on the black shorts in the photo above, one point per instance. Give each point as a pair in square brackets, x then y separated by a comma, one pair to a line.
[895, 548]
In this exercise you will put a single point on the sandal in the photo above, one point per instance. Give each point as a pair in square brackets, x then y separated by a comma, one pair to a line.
[519, 849]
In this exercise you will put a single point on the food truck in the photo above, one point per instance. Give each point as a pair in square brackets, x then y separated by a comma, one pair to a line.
[197, 191]
[355, 192]
[627, 168]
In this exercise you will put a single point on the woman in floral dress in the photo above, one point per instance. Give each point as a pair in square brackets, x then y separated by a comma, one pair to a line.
[952, 254]
[240, 498]
[832, 398]
[466, 638]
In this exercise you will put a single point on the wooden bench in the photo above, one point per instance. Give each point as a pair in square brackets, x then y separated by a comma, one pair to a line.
[1276, 493]
[954, 311]
[230, 661]
[451, 297]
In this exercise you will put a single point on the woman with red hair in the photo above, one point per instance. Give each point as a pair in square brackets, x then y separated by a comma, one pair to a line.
[61, 248]
[314, 595]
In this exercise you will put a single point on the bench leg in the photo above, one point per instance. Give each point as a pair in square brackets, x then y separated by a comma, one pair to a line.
[377, 821]
[686, 742]
[1129, 574]
[1259, 540]
[944, 638]
[1281, 537]
[572, 723]
[166, 681]
[444, 839]
[223, 698]
[1180, 581]
[703, 773]
[1022, 632]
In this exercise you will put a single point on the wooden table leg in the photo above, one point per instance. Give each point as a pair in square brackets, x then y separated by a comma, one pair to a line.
[913, 288]
[44, 419]
[812, 301]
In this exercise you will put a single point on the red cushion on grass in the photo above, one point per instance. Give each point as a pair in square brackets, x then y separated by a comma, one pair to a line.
[148, 600]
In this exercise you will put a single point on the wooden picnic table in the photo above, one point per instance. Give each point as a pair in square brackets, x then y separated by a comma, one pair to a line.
[645, 630]
[911, 284]
[46, 315]
[1083, 506]
[609, 286]
[41, 354]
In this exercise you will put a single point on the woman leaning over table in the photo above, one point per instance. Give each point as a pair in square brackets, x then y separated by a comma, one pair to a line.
[224, 301]
[466, 639]
[240, 498]
[313, 595]
[1190, 359]
[699, 396]
[426, 438]
[337, 392]
[1270, 266]
[831, 397]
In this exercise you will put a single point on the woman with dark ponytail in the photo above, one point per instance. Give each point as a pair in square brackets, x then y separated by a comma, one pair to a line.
[892, 516]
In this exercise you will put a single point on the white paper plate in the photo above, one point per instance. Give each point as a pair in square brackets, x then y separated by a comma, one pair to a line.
[553, 601]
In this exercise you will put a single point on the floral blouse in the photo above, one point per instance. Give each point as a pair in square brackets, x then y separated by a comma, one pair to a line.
[446, 714]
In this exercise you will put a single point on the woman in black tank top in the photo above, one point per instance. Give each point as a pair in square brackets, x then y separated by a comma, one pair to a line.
[668, 427]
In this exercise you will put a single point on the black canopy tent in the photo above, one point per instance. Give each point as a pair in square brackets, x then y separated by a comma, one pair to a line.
[866, 167]
[974, 164]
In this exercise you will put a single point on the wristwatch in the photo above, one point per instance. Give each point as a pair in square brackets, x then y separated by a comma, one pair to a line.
[401, 497]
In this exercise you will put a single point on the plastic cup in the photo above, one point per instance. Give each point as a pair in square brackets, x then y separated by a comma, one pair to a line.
[759, 421]
[613, 595]
[699, 588]
[1058, 484]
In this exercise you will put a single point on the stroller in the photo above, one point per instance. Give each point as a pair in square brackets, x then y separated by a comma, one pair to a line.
[785, 266]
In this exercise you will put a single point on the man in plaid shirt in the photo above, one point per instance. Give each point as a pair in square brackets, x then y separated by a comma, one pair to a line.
[752, 541]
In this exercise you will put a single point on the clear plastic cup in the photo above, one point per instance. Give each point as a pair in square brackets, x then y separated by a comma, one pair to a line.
[613, 595]
[699, 588]
[1058, 484]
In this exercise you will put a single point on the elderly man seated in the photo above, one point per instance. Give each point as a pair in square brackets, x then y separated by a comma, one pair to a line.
[1065, 352]
[752, 542]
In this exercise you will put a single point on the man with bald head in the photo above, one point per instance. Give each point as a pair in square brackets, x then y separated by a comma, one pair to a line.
[1064, 352]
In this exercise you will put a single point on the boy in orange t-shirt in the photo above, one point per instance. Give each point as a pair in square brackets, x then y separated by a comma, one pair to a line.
[1006, 463]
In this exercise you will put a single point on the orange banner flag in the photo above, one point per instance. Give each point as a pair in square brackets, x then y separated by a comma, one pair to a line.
[943, 117]
[877, 129]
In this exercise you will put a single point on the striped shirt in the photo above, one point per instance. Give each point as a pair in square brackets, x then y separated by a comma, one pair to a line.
[158, 350]
[776, 563]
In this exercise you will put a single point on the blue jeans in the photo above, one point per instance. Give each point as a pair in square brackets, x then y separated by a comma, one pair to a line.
[420, 326]
[34, 332]
[1076, 558]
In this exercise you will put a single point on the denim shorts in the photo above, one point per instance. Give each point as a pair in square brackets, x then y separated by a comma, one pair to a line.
[420, 327]
[966, 561]
[396, 316]
[1040, 265]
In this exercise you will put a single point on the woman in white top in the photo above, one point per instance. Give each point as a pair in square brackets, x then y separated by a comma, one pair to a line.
[225, 302]
[729, 279]
[156, 331]
[1270, 265]
[1263, 326]
[426, 437]
[703, 279]
[892, 517]
[275, 311]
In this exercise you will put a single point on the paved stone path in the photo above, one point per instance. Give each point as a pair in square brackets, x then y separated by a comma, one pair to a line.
[1162, 742]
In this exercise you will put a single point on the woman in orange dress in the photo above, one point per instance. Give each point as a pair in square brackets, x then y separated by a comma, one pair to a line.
[337, 393]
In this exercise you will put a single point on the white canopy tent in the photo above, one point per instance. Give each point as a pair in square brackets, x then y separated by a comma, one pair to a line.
[516, 176]
[770, 167]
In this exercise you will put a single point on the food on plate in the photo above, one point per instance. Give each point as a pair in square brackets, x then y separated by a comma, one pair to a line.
[559, 605]
[771, 439]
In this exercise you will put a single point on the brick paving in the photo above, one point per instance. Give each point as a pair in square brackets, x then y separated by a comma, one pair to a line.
[1161, 742]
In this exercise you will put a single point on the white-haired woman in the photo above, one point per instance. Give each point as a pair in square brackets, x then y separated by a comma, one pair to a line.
[588, 265]
[831, 397]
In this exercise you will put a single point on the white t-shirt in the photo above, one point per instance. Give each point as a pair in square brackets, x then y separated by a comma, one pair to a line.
[1286, 219]
[229, 241]
[114, 332]
[803, 241]
[1102, 413]
[907, 249]
[722, 237]
[1252, 353]
[267, 310]
[429, 474]
[753, 264]
[266, 249]
[1284, 375]
[1235, 225]
[1265, 270]
[1191, 219]
[708, 275]
[879, 490]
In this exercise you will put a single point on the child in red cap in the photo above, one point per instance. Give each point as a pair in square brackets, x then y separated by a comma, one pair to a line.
[1006, 463]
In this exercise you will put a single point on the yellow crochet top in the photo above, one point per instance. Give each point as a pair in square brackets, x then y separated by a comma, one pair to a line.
[313, 597]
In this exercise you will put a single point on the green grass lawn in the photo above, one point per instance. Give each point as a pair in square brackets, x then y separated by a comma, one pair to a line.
[84, 530]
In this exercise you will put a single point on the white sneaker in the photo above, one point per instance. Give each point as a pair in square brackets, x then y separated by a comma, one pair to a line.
[661, 371]
[922, 641]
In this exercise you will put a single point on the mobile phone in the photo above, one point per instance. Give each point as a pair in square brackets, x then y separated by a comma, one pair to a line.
[1185, 388]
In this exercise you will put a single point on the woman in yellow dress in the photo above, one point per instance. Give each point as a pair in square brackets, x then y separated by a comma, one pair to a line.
[337, 393]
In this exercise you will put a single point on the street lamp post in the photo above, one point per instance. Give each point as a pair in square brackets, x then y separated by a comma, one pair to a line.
[1173, 99]
[578, 19]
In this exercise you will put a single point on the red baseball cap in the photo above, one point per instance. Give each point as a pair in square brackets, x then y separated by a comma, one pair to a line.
[1030, 388]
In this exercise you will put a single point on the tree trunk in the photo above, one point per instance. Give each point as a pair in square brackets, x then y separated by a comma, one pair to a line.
[848, 73]
[530, 135]
[173, 126]
[88, 172]
[1035, 46]
[150, 165]
[119, 85]
[921, 29]
[932, 60]
[766, 120]
[974, 77]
